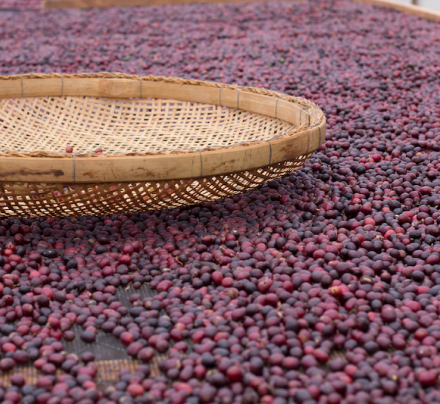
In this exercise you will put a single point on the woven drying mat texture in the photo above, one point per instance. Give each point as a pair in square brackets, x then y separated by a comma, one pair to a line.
[110, 355]
[127, 125]
[35, 199]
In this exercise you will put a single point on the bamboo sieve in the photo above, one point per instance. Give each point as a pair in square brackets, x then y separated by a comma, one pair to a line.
[166, 142]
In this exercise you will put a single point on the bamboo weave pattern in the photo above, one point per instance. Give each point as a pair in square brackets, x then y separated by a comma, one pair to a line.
[127, 126]
[38, 126]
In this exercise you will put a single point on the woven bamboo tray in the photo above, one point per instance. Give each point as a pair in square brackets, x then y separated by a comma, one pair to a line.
[166, 142]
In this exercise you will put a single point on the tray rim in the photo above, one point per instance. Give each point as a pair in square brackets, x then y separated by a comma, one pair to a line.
[47, 167]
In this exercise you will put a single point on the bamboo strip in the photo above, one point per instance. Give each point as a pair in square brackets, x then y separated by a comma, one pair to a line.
[418, 11]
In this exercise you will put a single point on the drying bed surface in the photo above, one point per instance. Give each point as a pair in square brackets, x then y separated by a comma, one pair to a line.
[319, 287]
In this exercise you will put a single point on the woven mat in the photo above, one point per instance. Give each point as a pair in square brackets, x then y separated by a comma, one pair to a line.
[110, 354]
